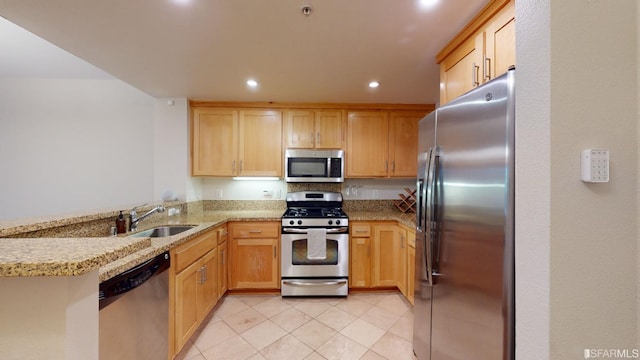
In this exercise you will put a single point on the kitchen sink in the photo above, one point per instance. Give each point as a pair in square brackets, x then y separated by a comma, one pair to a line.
[163, 231]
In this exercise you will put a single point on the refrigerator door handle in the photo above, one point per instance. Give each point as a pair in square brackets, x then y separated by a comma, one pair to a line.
[429, 222]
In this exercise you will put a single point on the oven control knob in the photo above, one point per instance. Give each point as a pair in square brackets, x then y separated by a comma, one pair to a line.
[291, 222]
[337, 222]
[330, 222]
[299, 222]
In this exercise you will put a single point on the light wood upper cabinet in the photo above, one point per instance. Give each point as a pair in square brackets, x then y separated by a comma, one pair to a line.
[230, 142]
[382, 144]
[367, 144]
[460, 72]
[403, 144]
[500, 42]
[314, 129]
[482, 50]
[214, 142]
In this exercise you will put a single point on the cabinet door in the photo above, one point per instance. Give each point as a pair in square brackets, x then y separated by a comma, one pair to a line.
[260, 145]
[367, 144]
[300, 130]
[329, 129]
[500, 37]
[411, 262]
[186, 315]
[401, 261]
[385, 249]
[360, 269]
[403, 144]
[222, 269]
[214, 142]
[207, 291]
[254, 263]
[461, 71]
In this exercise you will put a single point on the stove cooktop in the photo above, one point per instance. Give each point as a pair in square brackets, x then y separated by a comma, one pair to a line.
[314, 209]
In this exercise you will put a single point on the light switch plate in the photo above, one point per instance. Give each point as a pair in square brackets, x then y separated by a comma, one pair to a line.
[595, 165]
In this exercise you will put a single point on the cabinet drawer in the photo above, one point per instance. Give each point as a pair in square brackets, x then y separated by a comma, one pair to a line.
[187, 253]
[255, 230]
[223, 234]
[361, 230]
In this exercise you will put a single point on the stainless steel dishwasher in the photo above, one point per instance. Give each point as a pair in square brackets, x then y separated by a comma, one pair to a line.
[134, 312]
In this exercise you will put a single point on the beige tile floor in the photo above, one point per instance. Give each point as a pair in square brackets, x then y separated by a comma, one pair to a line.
[365, 326]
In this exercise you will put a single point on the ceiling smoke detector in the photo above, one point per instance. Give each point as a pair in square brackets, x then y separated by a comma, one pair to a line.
[306, 10]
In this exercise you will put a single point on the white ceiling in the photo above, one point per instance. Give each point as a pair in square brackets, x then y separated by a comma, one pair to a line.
[207, 49]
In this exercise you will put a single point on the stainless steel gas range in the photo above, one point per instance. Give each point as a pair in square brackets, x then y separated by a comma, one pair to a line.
[315, 245]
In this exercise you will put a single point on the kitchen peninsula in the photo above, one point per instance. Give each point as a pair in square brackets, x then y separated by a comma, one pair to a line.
[50, 284]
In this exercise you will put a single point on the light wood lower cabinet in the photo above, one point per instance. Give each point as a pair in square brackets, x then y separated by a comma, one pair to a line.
[401, 261]
[193, 287]
[386, 243]
[223, 260]
[360, 255]
[254, 255]
[374, 255]
[411, 262]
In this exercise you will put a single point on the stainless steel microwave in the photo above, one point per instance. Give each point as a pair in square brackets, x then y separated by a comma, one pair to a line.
[314, 165]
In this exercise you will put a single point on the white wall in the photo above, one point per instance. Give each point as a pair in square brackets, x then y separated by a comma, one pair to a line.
[533, 181]
[69, 145]
[576, 243]
[171, 148]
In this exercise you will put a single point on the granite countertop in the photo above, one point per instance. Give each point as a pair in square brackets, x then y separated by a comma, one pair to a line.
[113, 255]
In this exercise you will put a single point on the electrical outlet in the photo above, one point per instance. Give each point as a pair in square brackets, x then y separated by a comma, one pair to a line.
[219, 195]
[278, 193]
[376, 194]
[267, 193]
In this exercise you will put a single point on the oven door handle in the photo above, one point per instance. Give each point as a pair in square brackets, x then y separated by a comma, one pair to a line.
[304, 231]
[315, 283]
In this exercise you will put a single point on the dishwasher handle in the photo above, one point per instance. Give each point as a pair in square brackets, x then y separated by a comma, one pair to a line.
[120, 284]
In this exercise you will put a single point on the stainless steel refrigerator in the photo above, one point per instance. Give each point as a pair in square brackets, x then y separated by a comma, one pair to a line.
[464, 280]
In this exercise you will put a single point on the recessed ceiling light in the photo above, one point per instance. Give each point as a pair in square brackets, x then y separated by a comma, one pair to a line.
[374, 84]
[252, 83]
[427, 3]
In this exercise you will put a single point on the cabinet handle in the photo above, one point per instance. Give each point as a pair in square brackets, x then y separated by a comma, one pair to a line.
[233, 166]
[200, 278]
[275, 255]
[361, 231]
[386, 165]
[204, 272]
[474, 75]
[487, 68]
[255, 231]
[368, 251]
[240, 166]
[318, 137]
[223, 257]
[393, 166]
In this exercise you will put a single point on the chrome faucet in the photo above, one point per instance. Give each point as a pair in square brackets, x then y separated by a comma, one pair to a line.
[134, 219]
